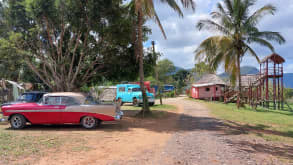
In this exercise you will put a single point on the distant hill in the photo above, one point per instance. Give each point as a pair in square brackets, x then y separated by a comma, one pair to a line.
[177, 68]
[288, 77]
[244, 70]
[249, 70]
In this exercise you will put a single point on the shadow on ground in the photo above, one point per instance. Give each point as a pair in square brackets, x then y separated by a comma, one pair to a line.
[174, 122]
[284, 151]
[161, 123]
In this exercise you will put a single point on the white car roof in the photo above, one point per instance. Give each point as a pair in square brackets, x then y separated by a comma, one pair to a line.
[78, 96]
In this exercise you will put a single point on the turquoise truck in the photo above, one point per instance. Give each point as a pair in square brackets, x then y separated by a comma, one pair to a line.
[131, 93]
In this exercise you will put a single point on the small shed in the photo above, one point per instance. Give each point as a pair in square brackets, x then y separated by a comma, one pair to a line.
[209, 87]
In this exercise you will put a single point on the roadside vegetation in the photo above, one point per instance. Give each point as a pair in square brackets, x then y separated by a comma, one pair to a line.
[273, 125]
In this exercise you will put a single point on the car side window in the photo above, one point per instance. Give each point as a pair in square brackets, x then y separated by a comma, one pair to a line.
[53, 100]
[122, 89]
[68, 101]
[129, 90]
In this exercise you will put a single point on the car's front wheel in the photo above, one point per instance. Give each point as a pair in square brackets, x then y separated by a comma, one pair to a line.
[17, 121]
[89, 122]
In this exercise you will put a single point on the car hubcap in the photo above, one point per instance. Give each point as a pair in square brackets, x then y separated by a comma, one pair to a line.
[16, 122]
[89, 122]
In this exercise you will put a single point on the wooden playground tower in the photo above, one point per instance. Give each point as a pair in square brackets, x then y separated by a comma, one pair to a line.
[266, 88]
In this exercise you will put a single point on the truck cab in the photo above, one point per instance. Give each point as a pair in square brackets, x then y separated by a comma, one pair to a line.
[131, 93]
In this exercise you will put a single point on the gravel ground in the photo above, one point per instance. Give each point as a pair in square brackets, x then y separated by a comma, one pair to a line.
[200, 142]
[204, 140]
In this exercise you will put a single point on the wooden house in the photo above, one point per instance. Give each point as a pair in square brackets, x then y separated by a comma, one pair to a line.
[209, 87]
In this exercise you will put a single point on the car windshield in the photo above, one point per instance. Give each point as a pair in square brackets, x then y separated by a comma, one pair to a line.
[27, 97]
[135, 89]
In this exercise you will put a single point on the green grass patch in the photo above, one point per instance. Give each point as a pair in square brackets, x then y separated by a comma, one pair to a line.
[274, 125]
[14, 145]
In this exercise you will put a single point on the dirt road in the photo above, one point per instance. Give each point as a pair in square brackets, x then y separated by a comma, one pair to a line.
[203, 140]
[188, 136]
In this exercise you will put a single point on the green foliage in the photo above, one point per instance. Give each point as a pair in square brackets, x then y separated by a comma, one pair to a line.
[170, 94]
[181, 80]
[68, 43]
[288, 94]
[238, 29]
[165, 69]
[202, 68]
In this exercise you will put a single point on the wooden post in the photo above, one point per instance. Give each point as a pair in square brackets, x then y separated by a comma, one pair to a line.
[267, 84]
[274, 86]
[279, 99]
[282, 87]
[215, 93]
[260, 83]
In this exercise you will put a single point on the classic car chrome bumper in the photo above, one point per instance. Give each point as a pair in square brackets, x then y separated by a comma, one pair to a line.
[150, 100]
[4, 120]
[119, 115]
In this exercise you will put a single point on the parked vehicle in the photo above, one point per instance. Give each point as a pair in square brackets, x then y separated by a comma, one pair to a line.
[27, 97]
[164, 88]
[147, 85]
[61, 108]
[131, 93]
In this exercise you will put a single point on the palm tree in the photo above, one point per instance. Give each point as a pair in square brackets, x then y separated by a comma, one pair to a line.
[145, 9]
[236, 29]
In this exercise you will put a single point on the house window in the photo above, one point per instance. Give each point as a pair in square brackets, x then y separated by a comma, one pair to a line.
[207, 89]
[216, 88]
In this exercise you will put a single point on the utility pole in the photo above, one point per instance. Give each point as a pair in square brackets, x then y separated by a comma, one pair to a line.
[156, 72]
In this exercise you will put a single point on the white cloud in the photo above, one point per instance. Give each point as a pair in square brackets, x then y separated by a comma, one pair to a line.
[183, 37]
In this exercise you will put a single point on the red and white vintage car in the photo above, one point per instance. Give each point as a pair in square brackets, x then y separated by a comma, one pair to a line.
[61, 108]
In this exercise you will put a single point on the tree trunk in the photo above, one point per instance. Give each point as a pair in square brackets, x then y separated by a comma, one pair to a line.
[145, 107]
[157, 74]
[239, 96]
[159, 86]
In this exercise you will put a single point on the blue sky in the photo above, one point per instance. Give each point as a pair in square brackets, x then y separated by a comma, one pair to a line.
[183, 38]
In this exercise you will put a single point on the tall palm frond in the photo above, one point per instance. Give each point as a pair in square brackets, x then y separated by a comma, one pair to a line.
[238, 29]
[260, 13]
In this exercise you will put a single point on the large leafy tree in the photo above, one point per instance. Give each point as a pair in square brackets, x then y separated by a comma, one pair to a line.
[237, 28]
[69, 43]
[165, 69]
[145, 9]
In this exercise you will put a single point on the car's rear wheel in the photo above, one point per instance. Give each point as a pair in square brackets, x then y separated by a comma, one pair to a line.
[17, 121]
[89, 122]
